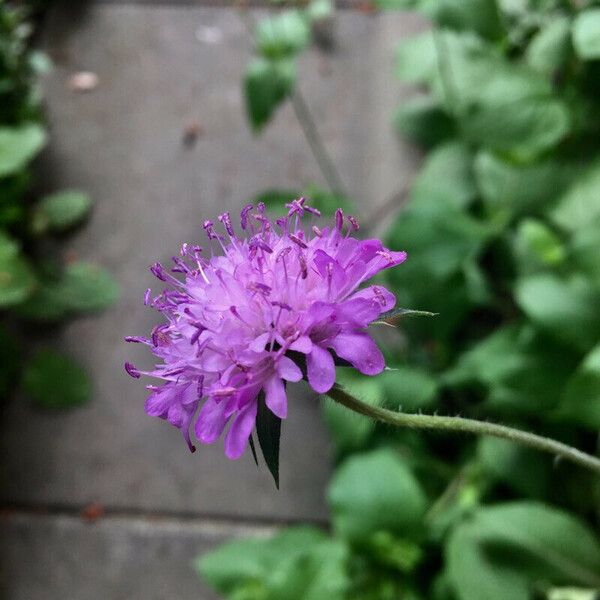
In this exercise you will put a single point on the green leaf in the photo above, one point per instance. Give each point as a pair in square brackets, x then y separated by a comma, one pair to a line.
[60, 212]
[53, 380]
[314, 575]
[568, 309]
[268, 431]
[320, 10]
[423, 120]
[526, 471]
[266, 85]
[554, 544]
[481, 16]
[9, 248]
[581, 399]
[537, 245]
[416, 59]
[18, 146]
[375, 491]
[446, 176]
[86, 287]
[395, 4]
[242, 562]
[524, 128]
[521, 188]
[472, 573]
[585, 249]
[17, 280]
[571, 593]
[504, 550]
[522, 371]
[283, 35]
[586, 34]
[580, 205]
[550, 48]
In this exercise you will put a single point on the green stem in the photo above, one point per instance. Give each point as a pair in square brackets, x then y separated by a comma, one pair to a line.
[462, 425]
[311, 133]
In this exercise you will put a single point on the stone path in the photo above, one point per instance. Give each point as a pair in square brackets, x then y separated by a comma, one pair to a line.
[158, 72]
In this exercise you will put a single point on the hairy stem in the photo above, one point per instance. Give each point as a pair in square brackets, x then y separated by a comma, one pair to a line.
[313, 137]
[462, 425]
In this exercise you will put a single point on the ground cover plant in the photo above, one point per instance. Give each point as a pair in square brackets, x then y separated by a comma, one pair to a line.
[38, 286]
[502, 227]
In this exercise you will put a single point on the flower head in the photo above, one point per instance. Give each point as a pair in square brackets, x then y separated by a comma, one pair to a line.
[277, 305]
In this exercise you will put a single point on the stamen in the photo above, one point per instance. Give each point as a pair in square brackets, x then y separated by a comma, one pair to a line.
[157, 270]
[297, 240]
[225, 218]
[132, 371]
[339, 219]
[244, 215]
[353, 222]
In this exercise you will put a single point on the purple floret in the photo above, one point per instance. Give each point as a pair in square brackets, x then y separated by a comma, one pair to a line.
[275, 302]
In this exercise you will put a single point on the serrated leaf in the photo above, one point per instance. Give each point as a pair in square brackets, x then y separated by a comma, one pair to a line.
[61, 211]
[18, 146]
[268, 431]
[267, 84]
[586, 34]
[53, 380]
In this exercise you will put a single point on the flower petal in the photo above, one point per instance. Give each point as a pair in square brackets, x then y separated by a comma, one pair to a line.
[288, 369]
[377, 293]
[303, 344]
[321, 369]
[211, 421]
[236, 439]
[359, 350]
[275, 397]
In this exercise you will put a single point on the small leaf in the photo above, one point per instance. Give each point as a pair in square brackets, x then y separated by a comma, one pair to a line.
[268, 431]
[18, 146]
[60, 212]
[586, 34]
[550, 47]
[392, 316]
[53, 380]
[283, 35]
[17, 280]
[86, 287]
[267, 84]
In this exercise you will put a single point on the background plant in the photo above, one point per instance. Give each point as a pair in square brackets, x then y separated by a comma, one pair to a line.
[36, 286]
[503, 233]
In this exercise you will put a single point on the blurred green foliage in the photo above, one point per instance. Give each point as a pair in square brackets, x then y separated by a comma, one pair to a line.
[502, 229]
[35, 285]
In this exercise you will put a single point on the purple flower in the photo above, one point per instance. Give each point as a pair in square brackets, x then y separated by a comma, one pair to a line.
[275, 305]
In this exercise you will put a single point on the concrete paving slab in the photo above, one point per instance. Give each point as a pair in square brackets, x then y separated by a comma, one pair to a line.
[123, 143]
[64, 558]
